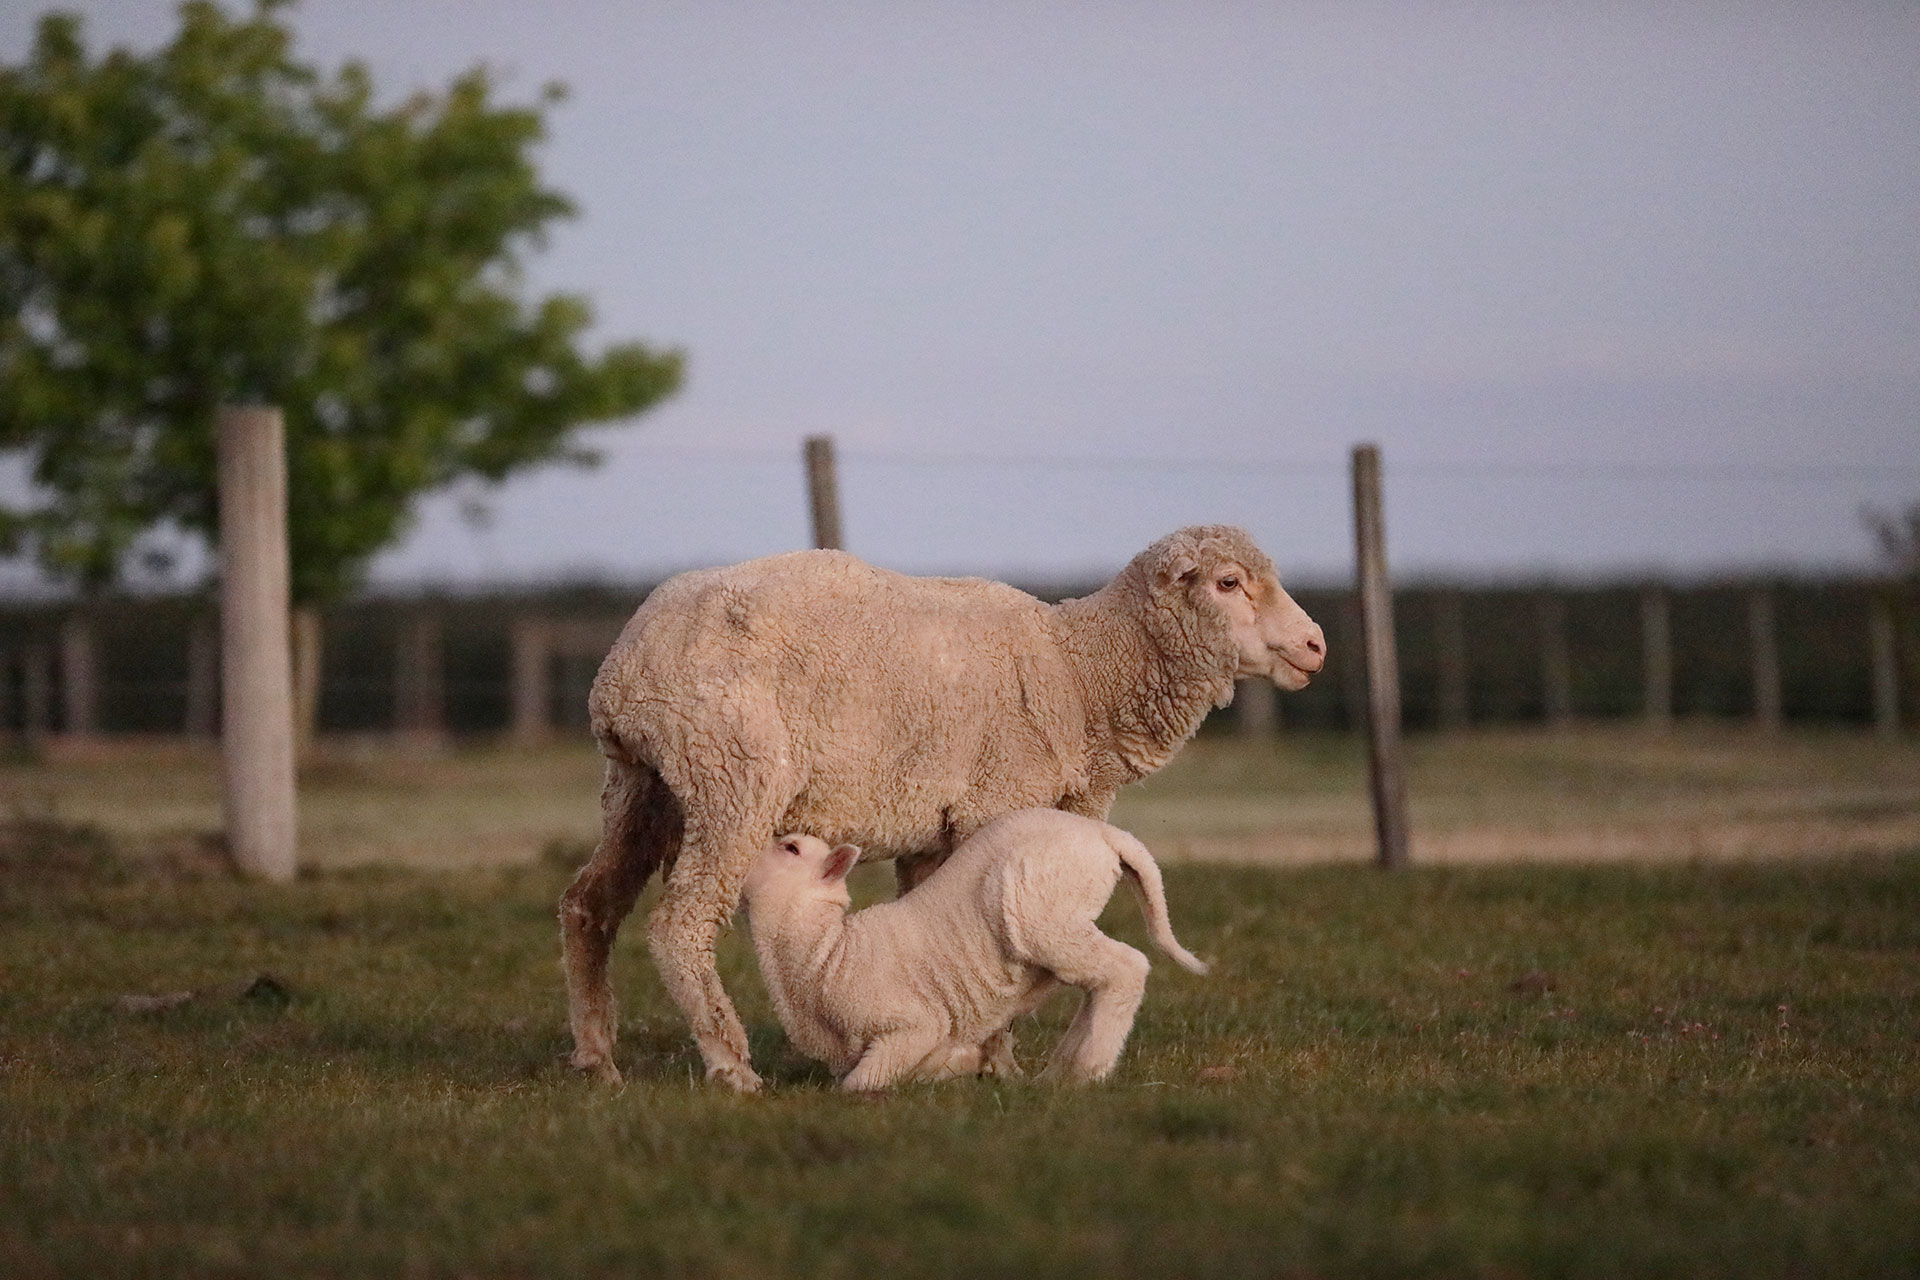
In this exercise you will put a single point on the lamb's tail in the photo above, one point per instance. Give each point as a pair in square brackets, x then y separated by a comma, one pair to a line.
[1144, 874]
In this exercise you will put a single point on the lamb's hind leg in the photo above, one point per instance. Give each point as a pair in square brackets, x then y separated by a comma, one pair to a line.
[899, 1055]
[996, 1051]
[1114, 977]
[640, 827]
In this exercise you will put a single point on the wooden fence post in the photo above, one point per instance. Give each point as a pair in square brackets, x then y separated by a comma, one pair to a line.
[1450, 643]
[419, 678]
[256, 667]
[1656, 650]
[532, 702]
[202, 712]
[1256, 709]
[36, 692]
[308, 638]
[79, 682]
[1383, 664]
[1764, 649]
[823, 491]
[1556, 669]
[1886, 683]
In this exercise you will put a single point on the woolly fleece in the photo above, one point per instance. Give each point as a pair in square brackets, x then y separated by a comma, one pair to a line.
[813, 692]
[921, 986]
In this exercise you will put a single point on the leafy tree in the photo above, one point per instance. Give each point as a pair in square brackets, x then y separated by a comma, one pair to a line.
[1898, 534]
[216, 222]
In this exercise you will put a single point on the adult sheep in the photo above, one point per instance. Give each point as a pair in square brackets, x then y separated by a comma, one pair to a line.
[813, 692]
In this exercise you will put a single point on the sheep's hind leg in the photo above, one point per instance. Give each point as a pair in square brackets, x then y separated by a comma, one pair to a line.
[1114, 977]
[639, 827]
[699, 899]
[729, 814]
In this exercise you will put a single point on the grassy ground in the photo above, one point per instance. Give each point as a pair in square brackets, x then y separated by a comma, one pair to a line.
[1698, 1069]
[1595, 793]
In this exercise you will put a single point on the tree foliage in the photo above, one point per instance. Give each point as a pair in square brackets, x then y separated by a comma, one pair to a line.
[216, 222]
[1898, 534]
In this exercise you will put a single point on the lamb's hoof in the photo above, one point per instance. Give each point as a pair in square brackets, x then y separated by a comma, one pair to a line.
[999, 1063]
[738, 1077]
[601, 1069]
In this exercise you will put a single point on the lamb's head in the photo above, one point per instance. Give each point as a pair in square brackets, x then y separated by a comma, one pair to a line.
[798, 867]
[1212, 589]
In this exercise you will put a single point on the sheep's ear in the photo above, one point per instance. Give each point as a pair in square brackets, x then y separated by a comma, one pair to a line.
[840, 861]
[1176, 569]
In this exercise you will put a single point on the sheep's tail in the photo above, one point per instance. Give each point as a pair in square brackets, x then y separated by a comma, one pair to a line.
[1143, 873]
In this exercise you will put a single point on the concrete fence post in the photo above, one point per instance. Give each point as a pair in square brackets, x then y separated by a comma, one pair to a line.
[257, 772]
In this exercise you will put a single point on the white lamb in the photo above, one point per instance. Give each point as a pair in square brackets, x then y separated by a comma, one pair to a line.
[924, 986]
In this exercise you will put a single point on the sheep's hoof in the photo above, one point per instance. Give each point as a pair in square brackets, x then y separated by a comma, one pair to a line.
[739, 1077]
[600, 1068]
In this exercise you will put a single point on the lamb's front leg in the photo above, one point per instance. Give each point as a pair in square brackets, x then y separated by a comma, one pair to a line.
[891, 1057]
[950, 1060]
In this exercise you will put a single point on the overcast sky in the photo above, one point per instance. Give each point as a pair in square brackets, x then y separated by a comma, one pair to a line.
[1617, 287]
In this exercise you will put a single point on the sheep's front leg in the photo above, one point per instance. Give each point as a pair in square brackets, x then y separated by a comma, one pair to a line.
[891, 1057]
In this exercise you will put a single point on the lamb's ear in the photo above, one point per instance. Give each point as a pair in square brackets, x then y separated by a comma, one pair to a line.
[840, 861]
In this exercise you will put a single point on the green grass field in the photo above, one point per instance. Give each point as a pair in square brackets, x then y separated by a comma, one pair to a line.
[1693, 1069]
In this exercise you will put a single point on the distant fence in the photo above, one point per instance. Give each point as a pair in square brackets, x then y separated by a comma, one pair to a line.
[1833, 652]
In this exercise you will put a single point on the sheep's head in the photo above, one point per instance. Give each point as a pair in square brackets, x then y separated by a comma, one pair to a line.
[1214, 589]
[796, 866]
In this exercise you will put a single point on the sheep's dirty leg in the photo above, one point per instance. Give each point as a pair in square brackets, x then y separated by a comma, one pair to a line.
[1114, 977]
[639, 828]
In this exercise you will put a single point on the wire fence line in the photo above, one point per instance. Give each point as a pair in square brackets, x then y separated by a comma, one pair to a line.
[1842, 648]
[1457, 467]
[1770, 652]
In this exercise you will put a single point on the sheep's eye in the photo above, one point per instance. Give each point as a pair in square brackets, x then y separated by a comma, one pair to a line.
[791, 847]
[1229, 583]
